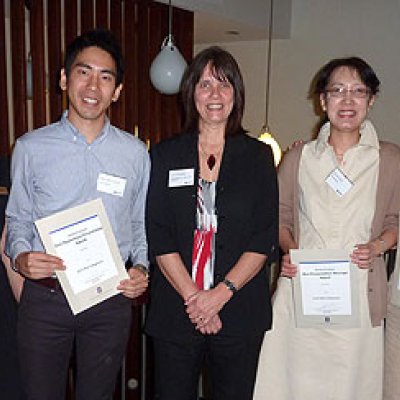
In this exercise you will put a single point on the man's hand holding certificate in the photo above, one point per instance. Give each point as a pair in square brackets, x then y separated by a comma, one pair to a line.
[82, 237]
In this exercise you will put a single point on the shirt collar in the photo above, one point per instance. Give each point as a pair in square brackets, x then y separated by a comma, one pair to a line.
[368, 137]
[74, 133]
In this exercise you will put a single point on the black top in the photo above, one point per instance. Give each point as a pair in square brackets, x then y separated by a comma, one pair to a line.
[247, 212]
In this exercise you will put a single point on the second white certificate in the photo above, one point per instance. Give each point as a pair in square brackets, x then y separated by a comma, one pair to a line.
[325, 292]
[325, 287]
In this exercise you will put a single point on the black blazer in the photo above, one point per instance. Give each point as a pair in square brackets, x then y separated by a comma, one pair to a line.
[247, 213]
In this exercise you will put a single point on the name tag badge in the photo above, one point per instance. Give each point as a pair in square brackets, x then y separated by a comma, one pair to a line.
[339, 182]
[110, 184]
[181, 177]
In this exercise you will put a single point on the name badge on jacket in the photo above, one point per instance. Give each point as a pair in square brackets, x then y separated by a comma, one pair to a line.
[181, 177]
[110, 184]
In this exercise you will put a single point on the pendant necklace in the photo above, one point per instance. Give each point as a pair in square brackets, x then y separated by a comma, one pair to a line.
[211, 158]
[211, 161]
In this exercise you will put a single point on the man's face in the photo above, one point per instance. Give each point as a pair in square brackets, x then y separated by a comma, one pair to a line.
[90, 86]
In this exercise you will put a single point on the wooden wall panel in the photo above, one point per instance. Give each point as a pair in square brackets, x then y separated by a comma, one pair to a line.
[102, 13]
[70, 19]
[4, 133]
[38, 64]
[87, 15]
[158, 29]
[117, 110]
[139, 25]
[166, 107]
[55, 59]
[143, 84]
[131, 57]
[17, 23]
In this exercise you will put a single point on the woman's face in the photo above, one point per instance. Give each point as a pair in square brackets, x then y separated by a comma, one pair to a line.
[347, 100]
[213, 99]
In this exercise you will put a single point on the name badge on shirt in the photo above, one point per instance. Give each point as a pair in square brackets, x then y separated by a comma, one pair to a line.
[339, 182]
[181, 177]
[110, 184]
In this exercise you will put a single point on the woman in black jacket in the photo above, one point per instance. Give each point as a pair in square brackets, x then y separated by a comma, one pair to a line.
[212, 225]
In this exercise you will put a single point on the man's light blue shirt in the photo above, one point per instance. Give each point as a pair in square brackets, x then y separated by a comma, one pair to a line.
[54, 168]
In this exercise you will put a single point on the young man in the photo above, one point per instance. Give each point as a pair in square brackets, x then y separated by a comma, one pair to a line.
[58, 167]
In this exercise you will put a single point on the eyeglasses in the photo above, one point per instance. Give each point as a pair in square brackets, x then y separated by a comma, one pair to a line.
[341, 91]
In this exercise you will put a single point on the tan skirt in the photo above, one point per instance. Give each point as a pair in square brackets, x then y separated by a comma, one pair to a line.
[392, 354]
[319, 364]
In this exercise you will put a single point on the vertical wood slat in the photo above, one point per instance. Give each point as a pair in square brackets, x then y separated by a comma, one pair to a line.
[4, 134]
[137, 60]
[70, 20]
[87, 15]
[17, 21]
[102, 13]
[38, 64]
[117, 110]
[54, 57]
[143, 84]
[70, 28]
[131, 57]
[158, 30]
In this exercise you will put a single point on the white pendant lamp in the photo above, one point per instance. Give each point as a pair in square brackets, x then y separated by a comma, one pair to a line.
[167, 68]
[265, 135]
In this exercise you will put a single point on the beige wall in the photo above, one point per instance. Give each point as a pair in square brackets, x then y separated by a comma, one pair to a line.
[321, 30]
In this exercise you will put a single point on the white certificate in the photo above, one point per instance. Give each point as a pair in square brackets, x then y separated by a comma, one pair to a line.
[324, 289]
[82, 237]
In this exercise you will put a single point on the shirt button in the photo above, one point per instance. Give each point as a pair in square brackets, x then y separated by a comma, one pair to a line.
[370, 290]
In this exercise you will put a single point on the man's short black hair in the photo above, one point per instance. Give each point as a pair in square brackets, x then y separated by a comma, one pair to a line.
[104, 40]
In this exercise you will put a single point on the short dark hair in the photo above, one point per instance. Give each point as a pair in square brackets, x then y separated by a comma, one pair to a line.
[104, 40]
[223, 66]
[364, 70]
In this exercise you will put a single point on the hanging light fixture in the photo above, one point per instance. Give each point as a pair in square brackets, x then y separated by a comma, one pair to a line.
[265, 134]
[167, 68]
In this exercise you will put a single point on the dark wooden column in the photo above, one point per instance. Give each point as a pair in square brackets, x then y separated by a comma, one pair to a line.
[70, 20]
[18, 67]
[87, 15]
[102, 14]
[4, 128]
[55, 59]
[38, 66]
[117, 110]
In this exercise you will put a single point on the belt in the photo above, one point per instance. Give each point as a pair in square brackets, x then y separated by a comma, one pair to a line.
[50, 283]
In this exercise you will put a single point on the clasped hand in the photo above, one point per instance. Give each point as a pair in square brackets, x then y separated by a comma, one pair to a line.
[203, 308]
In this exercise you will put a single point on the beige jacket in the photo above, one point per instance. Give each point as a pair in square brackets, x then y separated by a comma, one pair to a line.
[385, 217]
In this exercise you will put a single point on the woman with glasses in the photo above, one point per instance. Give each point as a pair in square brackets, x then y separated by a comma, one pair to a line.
[339, 191]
